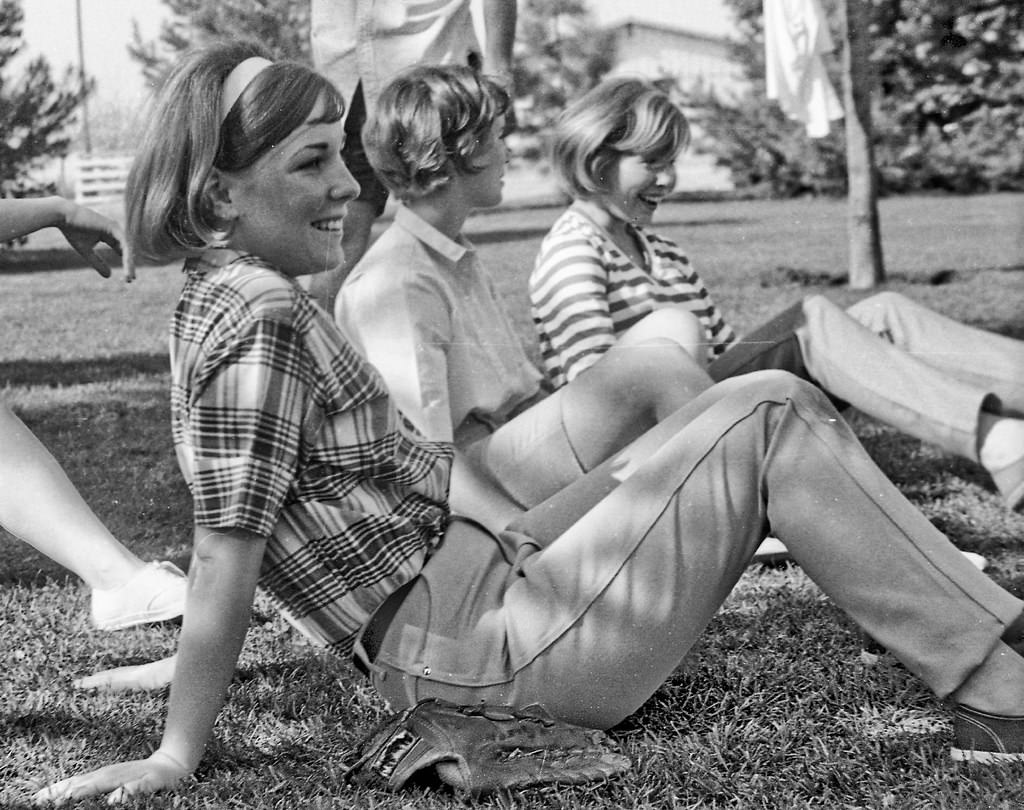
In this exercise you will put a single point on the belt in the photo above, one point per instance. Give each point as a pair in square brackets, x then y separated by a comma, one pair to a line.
[368, 644]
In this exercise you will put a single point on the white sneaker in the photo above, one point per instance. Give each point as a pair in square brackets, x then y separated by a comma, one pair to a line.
[155, 594]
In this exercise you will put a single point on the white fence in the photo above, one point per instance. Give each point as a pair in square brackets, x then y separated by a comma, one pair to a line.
[100, 179]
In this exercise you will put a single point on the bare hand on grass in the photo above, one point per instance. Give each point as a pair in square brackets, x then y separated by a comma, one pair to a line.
[142, 677]
[119, 781]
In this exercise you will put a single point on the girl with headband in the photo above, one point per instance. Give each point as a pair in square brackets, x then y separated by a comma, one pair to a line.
[307, 480]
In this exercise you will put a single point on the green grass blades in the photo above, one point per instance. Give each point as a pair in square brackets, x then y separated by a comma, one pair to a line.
[773, 709]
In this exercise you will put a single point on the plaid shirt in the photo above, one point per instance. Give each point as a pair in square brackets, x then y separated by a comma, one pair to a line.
[282, 429]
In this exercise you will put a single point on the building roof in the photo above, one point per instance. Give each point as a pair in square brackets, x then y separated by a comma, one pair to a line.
[669, 29]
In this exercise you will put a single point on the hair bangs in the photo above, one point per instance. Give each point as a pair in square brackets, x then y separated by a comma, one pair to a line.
[655, 129]
[279, 100]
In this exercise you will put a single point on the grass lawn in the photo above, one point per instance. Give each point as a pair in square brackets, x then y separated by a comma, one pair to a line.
[773, 710]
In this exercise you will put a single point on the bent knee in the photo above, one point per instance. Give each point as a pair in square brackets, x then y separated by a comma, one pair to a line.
[647, 367]
[818, 303]
[881, 312]
[776, 384]
[674, 323]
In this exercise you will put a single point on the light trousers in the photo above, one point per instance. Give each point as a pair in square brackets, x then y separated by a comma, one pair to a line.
[895, 360]
[592, 600]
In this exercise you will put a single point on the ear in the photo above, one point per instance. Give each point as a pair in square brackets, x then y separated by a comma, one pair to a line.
[218, 191]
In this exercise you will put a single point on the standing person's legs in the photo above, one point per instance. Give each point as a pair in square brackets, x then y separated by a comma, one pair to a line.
[40, 505]
[361, 212]
[593, 622]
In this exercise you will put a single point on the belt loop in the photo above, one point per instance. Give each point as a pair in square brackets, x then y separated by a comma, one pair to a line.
[362, 662]
[367, 645]
[360, 659]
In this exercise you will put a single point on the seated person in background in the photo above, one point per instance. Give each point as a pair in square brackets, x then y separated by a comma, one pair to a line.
[601, 271]
[360, 44]
[422, 309]
[38, 503]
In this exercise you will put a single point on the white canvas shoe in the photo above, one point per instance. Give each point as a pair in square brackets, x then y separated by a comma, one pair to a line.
[155, 594]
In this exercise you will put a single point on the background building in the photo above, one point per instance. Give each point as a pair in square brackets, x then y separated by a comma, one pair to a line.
[657, 50]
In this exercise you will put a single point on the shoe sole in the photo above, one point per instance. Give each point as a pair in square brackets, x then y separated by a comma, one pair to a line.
[984, 757]
[140, 619]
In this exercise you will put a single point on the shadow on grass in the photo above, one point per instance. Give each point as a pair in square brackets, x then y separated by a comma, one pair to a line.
[492, 236]
[47, 722]
[488, 236]
[116, 448]
[37, 260]
[56, 373]
[1010, 329]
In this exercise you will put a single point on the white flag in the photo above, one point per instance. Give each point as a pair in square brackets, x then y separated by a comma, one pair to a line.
[795, 36]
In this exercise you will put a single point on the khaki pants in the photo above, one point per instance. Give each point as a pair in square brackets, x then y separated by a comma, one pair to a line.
[592, 600]
[894, 360]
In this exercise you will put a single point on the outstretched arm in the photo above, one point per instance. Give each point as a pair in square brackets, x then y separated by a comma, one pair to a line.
[82, 227]
[222, 582]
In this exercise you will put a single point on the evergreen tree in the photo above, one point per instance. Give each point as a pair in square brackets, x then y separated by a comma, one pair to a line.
[282, 26]
[35, 110]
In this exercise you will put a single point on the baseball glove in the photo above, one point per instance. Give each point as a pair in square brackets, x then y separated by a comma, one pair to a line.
[484, 748]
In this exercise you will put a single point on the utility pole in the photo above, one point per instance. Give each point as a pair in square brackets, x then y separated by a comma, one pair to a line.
[81, 78]
[865, 242]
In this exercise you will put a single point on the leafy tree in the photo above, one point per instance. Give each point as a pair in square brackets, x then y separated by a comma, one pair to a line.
[35, 110]
[560, 53]
[952, 84]
[281, 25]
[948, 103]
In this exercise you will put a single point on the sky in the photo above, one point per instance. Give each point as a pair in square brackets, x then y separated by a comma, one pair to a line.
[107, 24]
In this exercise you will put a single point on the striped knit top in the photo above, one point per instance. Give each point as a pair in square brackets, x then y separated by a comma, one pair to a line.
[585, 292]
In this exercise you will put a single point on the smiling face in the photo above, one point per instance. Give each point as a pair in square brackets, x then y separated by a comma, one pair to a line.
[287, 207]
[636, 187]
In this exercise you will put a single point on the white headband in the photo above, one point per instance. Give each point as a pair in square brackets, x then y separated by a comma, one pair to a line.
[238, 79]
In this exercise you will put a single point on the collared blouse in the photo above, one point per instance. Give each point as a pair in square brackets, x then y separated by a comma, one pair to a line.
[426, 315]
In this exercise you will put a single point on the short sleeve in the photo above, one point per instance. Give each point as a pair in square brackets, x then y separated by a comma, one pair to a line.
[245, 427]
[569, 299]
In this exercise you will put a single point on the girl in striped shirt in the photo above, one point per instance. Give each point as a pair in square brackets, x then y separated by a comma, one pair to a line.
[601, 272]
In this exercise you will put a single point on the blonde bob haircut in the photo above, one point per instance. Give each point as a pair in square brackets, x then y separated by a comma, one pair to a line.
[169, 211]
[428, 123]
[618, 117]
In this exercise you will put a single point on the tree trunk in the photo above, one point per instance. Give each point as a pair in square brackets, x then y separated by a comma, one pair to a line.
[866, 266]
